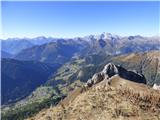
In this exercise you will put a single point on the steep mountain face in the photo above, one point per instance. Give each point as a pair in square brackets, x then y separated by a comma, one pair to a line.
[20, 78]
[112, 98]
[55, 52]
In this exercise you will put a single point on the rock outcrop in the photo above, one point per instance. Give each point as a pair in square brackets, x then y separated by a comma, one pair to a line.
[156, 87]
[112, 70]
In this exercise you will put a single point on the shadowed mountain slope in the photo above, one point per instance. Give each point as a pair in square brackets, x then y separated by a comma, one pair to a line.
[20, 78]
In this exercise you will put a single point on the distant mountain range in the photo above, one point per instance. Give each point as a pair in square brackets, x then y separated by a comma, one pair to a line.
[15, 45]
[106, 42]
[115, 45]
[58, 66]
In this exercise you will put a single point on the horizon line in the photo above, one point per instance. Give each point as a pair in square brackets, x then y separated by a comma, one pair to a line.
[63, 37]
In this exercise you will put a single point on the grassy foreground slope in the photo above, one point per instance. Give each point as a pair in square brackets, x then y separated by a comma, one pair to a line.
[121, 99]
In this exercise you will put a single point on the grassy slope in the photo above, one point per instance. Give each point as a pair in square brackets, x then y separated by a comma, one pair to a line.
[119, 100]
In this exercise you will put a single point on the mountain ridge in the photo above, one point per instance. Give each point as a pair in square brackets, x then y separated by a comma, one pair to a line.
[112, 44]
[113, 98]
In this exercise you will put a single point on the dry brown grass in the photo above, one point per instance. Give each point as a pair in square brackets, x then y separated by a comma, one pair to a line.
[121, 100]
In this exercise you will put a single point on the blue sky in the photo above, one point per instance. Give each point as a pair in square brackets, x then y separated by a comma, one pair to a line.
[72, 19]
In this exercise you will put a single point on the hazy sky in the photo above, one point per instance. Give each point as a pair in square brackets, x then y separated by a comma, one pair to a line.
[72, 19]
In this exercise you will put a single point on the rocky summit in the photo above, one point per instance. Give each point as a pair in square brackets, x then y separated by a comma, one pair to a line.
[111, 70]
